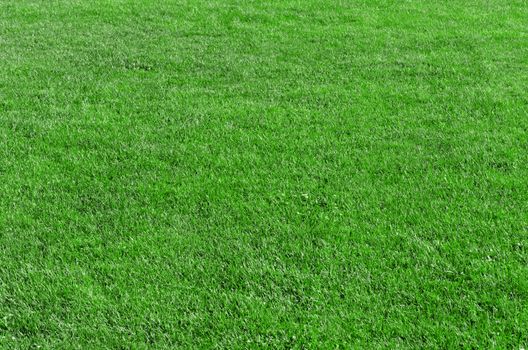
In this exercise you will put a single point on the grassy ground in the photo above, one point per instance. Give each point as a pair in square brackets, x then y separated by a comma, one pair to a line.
[263, 174]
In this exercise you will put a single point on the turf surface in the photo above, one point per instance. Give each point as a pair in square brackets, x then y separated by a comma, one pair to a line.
[263, 174]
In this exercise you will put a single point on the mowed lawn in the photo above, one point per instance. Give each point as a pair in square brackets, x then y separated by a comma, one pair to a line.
[263, 174]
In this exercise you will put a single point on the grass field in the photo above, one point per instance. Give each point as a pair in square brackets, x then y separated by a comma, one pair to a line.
[263, 174]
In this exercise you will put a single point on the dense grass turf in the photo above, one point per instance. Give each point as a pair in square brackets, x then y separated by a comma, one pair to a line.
[275, 174]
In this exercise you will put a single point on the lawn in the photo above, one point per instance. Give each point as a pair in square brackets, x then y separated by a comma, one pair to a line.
[263, 174]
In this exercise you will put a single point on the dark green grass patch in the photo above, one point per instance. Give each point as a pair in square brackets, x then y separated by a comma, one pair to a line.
[263, 174]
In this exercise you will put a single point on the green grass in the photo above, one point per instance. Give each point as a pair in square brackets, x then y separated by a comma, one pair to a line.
[263, 174]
